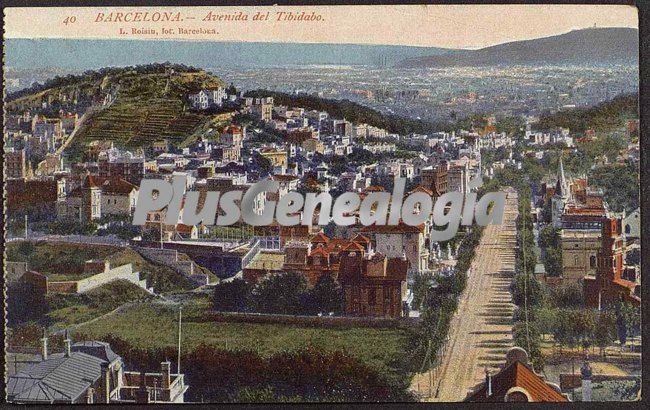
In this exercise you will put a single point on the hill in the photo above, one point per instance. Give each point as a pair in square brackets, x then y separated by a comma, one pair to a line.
[132, 106]
[614, 45]
[605, 116]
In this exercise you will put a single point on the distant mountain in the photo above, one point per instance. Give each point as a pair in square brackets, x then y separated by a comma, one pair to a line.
[95, 54]
[593, 45]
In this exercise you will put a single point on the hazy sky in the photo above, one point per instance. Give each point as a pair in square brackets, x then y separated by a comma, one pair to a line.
[451, 26]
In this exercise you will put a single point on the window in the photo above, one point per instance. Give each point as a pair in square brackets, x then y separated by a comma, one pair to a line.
[592, 261]
[575, 260]
[627, 229]
[372, 296]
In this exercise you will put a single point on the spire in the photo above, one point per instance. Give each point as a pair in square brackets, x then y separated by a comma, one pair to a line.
[561, 187]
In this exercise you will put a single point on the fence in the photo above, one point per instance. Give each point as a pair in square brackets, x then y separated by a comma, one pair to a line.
[312, 321]
[84, 239]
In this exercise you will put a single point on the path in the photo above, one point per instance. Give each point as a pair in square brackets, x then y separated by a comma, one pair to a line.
[481, 329]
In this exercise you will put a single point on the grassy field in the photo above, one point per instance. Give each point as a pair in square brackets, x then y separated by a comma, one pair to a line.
[65, 261]
[72, 309]
[57, 260]
[382, 349]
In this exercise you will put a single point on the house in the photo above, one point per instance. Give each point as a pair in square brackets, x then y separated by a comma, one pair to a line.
[516, 382]
[15, 163]
[113, 163]
[99, 196]
[91, 372]
[632, 225]
[262, 108]
[233, 135]
[435, 179]
[372, 284]
[396, 241]
[611, 283]
[208, 98]
[278, 158]
[320, 255]
[579, 252]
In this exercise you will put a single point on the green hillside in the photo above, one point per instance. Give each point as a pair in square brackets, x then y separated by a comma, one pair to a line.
[604, 117]
[149, 103]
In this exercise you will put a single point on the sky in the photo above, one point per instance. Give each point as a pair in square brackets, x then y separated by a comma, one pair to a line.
[447, 26]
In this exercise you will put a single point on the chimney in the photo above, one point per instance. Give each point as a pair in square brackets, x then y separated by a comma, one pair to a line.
[106, 382]
[488, 383]
[89, 395]
[166, 374]
[68, 344]
[44, 345]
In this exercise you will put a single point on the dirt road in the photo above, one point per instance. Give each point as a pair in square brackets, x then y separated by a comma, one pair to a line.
[481, 330]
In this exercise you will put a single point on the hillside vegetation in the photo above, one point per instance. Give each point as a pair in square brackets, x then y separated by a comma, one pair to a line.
[606, 116]
[148, 103]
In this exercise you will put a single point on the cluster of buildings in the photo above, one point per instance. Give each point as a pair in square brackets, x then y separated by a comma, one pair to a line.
[90, 372]
[557, 136]
[32, 140]
[373, 265]
[594, 242]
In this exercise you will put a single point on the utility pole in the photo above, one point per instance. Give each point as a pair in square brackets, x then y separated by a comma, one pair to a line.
[26, 226]
[180, 315]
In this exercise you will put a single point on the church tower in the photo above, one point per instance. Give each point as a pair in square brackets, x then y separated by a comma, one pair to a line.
[560, 198]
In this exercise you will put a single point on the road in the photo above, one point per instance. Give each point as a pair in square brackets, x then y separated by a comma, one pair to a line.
[481, 329]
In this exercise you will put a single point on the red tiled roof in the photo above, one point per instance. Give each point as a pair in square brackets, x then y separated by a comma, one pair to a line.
[353, 246]
[517, 375]
[320, 237]
[361, 239]
[420, 188]
[320, 251]
[110, 185]
[232, 129]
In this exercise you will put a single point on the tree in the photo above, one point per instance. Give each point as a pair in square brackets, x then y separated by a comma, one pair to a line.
[584, 325]
[233, 296]
[325, 297]
[553, 261]
[281, 293]
[546, 320]
[529, 287]
[262, 163]
[567, 295]
[632, 316]
[605, 332]
[563, 331]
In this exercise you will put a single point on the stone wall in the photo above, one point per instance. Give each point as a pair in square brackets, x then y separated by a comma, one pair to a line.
[171, 259]
[124, 272]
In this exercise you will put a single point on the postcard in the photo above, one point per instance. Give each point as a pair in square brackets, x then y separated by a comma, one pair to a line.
[334, 203]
